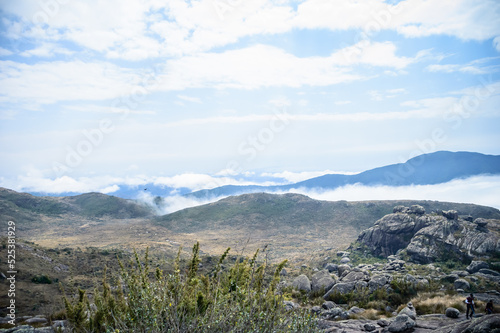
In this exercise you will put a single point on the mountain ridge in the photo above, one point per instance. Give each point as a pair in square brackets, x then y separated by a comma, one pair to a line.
[426, 169]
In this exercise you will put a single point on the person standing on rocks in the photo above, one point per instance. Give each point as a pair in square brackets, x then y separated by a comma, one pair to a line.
[489, 307]
[470, 306]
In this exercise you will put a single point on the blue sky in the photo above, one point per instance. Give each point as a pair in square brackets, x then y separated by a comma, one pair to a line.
[98, 94]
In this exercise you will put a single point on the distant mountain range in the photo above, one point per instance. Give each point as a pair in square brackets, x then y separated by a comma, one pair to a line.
[426, 169]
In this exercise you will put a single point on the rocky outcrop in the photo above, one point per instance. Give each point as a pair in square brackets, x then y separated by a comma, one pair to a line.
[427, 238]
[392, 232]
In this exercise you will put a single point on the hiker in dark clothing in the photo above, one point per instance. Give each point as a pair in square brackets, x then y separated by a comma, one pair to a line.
[489, 307]
[470, 306]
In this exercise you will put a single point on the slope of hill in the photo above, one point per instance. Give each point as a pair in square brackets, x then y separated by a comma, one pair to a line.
[426, 169]
[293, 222]
[31, 210]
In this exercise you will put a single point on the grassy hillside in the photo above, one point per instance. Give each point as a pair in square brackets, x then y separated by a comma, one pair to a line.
[34, 212]
[291, 224]
[263, 210]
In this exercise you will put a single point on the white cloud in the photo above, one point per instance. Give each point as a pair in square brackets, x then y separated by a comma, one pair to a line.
[265, 66]
[463, 19]
[137, 30]
[4, 52]
[496, 43]
[49, 82]
[294, 177]
[473, 67]
[174, 203]
[189, 98]
[481, 190]
[46, 50]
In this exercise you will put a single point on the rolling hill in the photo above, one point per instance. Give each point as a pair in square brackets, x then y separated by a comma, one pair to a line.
[31, 210]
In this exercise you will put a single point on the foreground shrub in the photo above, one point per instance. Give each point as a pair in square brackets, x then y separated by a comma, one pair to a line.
[240, 299]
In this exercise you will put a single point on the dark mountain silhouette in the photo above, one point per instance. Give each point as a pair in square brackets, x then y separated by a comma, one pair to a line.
[426, 169]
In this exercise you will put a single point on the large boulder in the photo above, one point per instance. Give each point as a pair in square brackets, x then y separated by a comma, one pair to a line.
[328, 305]
[340, 288]
[451, 214]
[401, 323]
[429, 238]
[476, 265]
[330, 267]
[322, 280]
[355, 276]
[392, 233]
[461, 284]
[343, 269]
[409, 310]
[417, 209]
[302, 283]
[377, 282]
[452, 313]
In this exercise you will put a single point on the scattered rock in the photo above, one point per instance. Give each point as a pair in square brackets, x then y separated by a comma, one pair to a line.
[332, 313]
[289, 305]
[302, 283]
[341, 287]
[369, 327]
[488, 271]
[461, 284]
[401, 323]
[400, 209]
[316, 309]
[409, 310]
[452, 313]
[355, 276]
[331, 267]
[450, 278]
[322, 281]
[481, 223]
[460, 273]
[450, 214]
[383, 323]
[328, 305]
[355, 310]
[343, 254]
[343, 269]
[377, 282]
[36, 320]
[283, 272]
[476, 265]
[345, 260]
[417, 209]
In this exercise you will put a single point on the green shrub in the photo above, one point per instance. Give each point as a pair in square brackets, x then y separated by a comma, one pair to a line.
[239, 299]
[42, 279]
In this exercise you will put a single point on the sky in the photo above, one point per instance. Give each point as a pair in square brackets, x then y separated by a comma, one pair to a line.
[95, 95]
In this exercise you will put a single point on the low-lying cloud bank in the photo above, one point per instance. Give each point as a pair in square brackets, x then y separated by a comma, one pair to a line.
[480, 190]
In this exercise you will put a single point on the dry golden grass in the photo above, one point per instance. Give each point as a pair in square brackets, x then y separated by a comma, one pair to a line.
[428, 303]
[370, 314]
